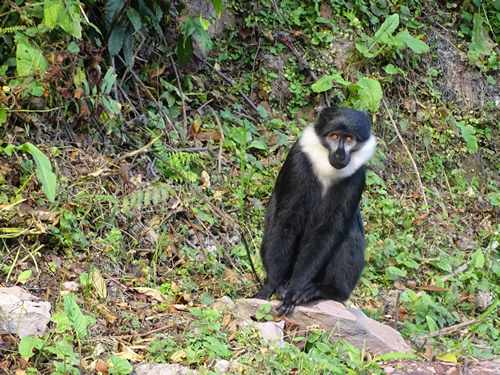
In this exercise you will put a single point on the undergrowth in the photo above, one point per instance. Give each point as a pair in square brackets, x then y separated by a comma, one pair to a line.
[134, 168]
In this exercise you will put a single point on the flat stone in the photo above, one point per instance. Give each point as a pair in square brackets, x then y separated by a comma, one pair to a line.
[22, 313]
[349, 324]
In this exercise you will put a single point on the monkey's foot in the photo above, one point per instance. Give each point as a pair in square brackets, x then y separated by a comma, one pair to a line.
[291, 299]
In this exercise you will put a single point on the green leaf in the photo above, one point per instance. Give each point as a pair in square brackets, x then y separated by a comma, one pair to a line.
[29, 59]
[258, 144]
[478, 259]
[43, 170]
[391, 69]
[184, 50]
[323, 84]
[479, 44]
[55, 14]
[416, 45]
[262, 111]
[432, 324]
[389, 356]
[369, 92]
[25, 275]
[326, 83]
[108, 81]
[115, 41]
[62, 349]
[468, 132]
[384, 33]
[218, 7]
[135, 18]
[71, 22]
[113, 8]
[121, 365]
[365, 51]
[51, 11]
[76, 317]
[3, 115]
[29, 343]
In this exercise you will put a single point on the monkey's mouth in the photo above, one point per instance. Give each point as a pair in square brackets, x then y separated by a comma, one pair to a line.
[339, 164]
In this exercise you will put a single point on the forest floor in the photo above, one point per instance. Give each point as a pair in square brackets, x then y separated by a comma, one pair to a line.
[153, 198]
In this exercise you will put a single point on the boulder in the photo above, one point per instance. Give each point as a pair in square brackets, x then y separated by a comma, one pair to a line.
[22, 313]
[349, 324]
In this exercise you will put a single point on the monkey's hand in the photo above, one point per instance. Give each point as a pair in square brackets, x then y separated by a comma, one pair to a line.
[292, 299]
[266, 291]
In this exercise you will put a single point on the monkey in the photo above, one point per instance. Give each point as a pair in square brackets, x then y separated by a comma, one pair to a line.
[314, 239]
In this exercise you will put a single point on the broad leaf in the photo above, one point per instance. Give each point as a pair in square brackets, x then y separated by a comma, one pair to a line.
[75, 315]
[326, 83]
[385, 30]
[184, 50]
[29, 59]
[29, 343]
[115, 41]
[369, 92]
[468, 132]
[416, 45]
[51, 11]
[113, 8]
[218, 7]
[43, 170]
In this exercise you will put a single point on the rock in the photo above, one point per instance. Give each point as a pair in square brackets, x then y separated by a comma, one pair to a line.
[221, 366]
[162, 369]
[72, 286]
[350, 324]
[272, 332]
[222, 304]
[22, 313]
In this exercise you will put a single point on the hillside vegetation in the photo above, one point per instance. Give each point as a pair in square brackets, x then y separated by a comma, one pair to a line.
[140, 142]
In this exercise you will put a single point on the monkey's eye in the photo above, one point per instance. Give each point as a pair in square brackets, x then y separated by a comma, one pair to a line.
[348, 139]
[335, 136]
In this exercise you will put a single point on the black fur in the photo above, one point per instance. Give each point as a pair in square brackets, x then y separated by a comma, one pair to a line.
[313, 245]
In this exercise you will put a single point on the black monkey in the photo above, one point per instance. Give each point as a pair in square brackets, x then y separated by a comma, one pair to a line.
[314, 244]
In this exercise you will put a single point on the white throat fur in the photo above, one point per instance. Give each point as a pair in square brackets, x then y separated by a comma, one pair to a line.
[318, 155]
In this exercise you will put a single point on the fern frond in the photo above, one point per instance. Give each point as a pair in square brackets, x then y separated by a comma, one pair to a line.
[144, 197]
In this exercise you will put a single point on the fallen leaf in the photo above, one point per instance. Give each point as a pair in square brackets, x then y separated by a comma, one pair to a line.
[101, 366]
[153, 73]
[152, 293]
[129, 354]
[196, 126]
[78, 93]
[98, 283]
[449, 357]
[205, 179]
[178, 356]
[203, 136]
[269, 35]
[231, 277]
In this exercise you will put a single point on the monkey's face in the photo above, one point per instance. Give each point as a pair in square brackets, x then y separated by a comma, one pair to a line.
[340, 146]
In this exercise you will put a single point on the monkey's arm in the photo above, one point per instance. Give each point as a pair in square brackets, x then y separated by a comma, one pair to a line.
[285, 220]
[324, 233]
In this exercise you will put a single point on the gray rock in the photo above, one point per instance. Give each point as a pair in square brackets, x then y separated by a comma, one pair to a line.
[222, 304]
[22, 313]
[272, 332]
[161, 369]
[221, 366]
[349, 324]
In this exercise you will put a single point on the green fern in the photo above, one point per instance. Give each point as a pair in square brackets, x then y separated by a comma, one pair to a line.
[112, 201]
[181, 161]
[145, 197]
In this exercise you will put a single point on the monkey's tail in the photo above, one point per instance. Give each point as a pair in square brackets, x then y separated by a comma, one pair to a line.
[247, 248]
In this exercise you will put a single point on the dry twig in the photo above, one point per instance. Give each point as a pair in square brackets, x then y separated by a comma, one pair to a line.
[393, 123]
[451, 329]
[219, 168]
